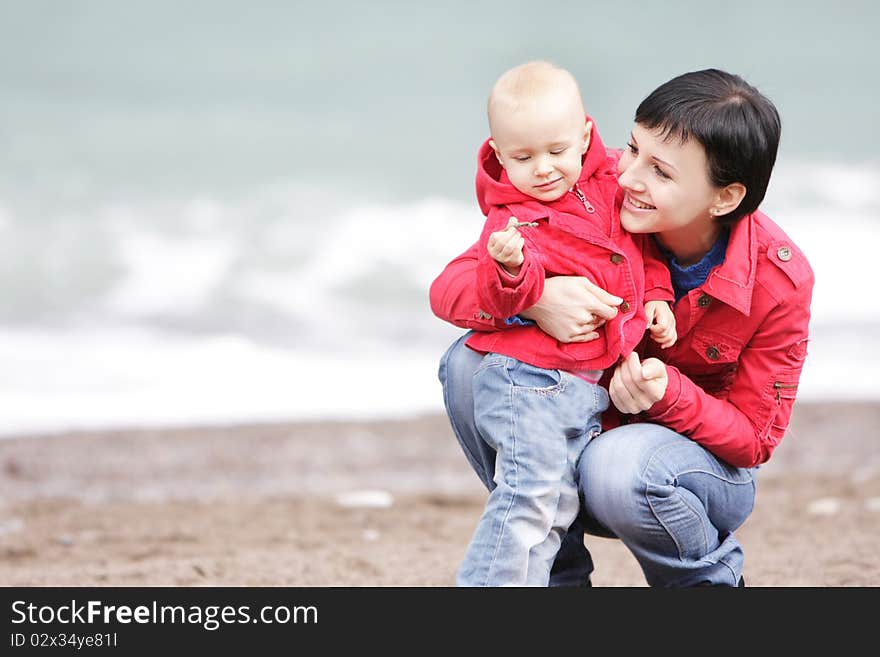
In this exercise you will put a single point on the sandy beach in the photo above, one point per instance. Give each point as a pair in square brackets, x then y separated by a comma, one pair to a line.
[283, 505]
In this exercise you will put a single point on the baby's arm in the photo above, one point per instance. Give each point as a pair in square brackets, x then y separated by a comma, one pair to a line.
[503, 292]
[661, 323]
[506, 247]
[658, 294]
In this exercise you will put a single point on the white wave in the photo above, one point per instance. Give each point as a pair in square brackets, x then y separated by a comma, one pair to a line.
[380, 245]
[167, 275]
[274, 262]
[111, 379]
[131, 378]
[843, 187]
[832, 212]
[308, 267]
[841, 364]
[843, 253]
[300, 255]
[340, 286]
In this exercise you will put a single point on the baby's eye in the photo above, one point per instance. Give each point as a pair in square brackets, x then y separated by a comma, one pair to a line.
[559, 151]
[521, 158]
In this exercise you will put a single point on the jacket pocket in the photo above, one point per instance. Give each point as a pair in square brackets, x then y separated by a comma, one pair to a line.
[715, 359]
[714, 348]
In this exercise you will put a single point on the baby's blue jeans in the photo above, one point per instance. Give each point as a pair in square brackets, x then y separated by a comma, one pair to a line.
[537, 421]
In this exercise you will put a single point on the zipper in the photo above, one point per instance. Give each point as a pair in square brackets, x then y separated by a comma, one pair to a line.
[783, 386]
[583, 199]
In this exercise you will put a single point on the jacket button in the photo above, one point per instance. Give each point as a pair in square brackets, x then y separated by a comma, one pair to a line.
[624, 307]
[712, 353]
[616, 258]
[784, 253]
[704, 300]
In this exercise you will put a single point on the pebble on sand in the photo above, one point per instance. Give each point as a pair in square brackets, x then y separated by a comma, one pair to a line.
[824, 506]
[11, 526]
[365, 499]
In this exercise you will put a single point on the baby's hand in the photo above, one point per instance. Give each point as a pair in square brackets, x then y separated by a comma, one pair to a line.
[506, 247]
[661, 323]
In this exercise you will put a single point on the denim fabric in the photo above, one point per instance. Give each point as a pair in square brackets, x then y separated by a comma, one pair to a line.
[672, 503]
[537, 421]
[573, 563]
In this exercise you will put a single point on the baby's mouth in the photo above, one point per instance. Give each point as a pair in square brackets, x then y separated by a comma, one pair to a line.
[548, 184]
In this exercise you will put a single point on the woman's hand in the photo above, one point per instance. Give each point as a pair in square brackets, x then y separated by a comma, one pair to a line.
[637, 386]
[572, 308]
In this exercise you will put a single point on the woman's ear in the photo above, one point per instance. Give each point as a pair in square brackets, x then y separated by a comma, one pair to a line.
[728, 199]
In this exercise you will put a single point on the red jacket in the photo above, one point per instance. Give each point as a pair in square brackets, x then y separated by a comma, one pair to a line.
[742, 341]
[575, 235]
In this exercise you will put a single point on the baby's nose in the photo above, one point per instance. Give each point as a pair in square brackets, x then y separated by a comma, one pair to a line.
[543, 167]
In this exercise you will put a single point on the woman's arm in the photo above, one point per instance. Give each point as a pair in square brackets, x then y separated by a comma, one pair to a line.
[745, 427]
[570, 308]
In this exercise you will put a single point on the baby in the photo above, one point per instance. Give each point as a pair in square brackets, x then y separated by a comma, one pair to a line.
[547, 187]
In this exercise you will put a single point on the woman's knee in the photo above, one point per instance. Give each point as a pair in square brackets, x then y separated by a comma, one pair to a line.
[618, 458]
[614, 473]
[628, 473]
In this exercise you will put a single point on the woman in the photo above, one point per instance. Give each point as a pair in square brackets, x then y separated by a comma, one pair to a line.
[673, 474]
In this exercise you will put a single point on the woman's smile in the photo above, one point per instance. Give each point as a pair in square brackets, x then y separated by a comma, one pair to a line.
[635, 204]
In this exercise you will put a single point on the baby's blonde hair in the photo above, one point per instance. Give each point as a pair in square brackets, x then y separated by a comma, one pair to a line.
[528, 82]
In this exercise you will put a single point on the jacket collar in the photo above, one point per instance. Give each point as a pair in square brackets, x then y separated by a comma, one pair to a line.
[733, 281]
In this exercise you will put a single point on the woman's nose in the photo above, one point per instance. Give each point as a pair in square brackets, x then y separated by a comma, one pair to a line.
[628, 178]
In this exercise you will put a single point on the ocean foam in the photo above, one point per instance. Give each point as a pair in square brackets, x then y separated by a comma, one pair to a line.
[280, 306]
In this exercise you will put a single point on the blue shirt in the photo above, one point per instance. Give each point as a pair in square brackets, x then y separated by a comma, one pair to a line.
[685, 279]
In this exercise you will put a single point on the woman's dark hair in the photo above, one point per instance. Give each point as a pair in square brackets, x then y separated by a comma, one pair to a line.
[737, 126]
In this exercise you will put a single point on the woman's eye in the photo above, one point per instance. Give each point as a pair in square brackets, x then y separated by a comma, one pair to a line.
[633, 148]
[660, 172]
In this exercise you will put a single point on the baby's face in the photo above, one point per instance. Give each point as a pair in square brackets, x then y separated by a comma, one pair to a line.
[541, 145]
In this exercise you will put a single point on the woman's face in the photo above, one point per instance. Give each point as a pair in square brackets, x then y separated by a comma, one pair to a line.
[666, 187]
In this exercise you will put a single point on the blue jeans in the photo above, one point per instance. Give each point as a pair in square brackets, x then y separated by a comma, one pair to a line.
[673, 504]
[537, 421]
